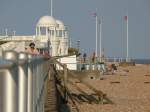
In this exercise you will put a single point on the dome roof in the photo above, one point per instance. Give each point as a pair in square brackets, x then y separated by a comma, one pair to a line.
[47, 21]
[61, 24]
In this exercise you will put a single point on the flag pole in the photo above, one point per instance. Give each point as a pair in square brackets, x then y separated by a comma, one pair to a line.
[100, 45]
[51, 7]
[127, 58]
[96, 34]
[70, 44]
[6, 32]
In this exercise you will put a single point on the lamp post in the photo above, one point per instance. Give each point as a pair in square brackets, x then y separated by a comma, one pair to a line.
[49, 42]
[100, 38]
[78, 45]
[78, 48]
[14, 33]
[6, 32]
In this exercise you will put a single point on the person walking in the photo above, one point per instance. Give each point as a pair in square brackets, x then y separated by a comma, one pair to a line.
[84, 57]
[93, 57]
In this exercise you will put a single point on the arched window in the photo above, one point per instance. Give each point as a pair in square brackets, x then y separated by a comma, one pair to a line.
[43, 30]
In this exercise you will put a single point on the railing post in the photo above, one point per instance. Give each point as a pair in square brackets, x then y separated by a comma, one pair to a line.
[65, 75]
[65, 80]
[9, 84]
[30, 85]
[38, 74]
[35, 83]
[22, 79]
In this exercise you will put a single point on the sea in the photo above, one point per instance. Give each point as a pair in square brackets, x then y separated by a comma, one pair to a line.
[136, 61]
[141, 61]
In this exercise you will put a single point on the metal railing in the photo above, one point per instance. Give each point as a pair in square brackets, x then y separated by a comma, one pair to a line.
[95, 64]
[22, 82]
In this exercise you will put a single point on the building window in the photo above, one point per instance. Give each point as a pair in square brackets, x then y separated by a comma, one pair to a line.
[43, 30]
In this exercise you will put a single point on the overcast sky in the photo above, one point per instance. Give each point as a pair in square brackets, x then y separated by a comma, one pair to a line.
[22, 16]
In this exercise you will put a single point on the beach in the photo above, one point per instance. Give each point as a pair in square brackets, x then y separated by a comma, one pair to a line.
[128, 88]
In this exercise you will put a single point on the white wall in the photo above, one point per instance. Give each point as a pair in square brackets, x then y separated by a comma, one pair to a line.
[71, 62]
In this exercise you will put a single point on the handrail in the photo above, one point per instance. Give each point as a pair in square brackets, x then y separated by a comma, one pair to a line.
[22, 82]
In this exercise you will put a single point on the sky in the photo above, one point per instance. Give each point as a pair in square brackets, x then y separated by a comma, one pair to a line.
[23, 15]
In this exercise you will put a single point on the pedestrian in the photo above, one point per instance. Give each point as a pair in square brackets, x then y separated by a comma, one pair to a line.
[93, 57]
[84, 57]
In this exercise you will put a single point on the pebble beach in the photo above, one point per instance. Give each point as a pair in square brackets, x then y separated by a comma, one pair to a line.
[128, 88]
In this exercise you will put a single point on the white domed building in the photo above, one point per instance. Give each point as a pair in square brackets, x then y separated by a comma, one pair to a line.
[51, 34]
[54, 31]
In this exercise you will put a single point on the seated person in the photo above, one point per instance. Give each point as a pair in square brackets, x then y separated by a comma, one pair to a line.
[31, 49]
[113, 68]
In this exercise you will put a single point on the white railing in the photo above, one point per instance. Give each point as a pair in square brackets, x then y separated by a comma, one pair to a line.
[22, 82]
[17, 38]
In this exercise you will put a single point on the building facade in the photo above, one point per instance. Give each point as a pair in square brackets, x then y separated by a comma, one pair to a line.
[50, 33]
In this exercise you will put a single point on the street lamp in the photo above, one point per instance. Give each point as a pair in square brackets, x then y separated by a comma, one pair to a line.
[78, 45]
[49, 42]
[78, 48]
